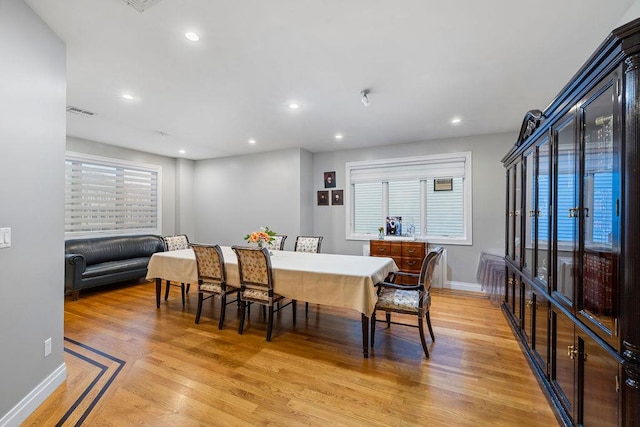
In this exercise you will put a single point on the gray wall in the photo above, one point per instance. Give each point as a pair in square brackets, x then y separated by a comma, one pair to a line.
[32, 141]
[488, 196]
[169, 181]
[236, 195]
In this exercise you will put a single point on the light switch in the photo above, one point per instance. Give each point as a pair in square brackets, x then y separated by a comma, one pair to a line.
[5, 237]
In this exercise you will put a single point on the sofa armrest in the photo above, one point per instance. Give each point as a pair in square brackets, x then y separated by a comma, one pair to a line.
[74, 266]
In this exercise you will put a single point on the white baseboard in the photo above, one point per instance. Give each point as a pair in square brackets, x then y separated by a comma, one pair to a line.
[30, 402]
[462, 286]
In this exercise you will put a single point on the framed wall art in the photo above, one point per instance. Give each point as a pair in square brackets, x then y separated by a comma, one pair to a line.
[337, 197]
[330, 179]
[323, 198]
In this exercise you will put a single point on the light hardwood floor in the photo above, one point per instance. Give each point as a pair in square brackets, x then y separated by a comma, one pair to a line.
[138, 365]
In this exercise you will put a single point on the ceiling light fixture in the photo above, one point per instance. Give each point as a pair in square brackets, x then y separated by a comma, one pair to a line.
[182, 151]
[127, 96]
[456, 120]
[365, 98]
[294, 106]
[192, 36]
[338, 136]
[252, 141]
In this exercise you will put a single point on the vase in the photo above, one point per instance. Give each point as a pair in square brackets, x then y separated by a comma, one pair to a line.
[380, 235]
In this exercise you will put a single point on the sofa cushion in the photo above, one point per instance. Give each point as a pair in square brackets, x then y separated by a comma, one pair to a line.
[112, 267]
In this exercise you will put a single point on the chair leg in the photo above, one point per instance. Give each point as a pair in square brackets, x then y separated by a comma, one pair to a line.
[199, 311]
[243, 305]
[388, 317]
[373, 327]
[166, 293]
[182, 292]
[424, 342]
[270, 324]
[264, 312]
[294, 303]
[433, 338]
[188, 287]
[223, 310]
[306, 309]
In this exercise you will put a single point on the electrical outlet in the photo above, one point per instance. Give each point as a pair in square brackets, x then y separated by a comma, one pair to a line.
[47, 347]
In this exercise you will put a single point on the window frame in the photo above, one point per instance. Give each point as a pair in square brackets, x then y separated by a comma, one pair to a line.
[417, 161]
[118, 163]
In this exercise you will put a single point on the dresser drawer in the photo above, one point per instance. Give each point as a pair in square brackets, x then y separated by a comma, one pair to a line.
[411, 265]
[413, 250]
[379, 248]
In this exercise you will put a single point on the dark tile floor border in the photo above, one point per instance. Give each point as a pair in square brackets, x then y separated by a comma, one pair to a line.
[103, 370]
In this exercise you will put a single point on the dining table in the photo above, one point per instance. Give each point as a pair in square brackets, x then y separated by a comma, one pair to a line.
[345, 281]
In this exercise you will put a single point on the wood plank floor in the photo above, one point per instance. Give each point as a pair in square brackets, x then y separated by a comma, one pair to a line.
[177, 373]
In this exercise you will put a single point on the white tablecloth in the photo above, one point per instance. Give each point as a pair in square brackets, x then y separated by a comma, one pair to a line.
[337, 280]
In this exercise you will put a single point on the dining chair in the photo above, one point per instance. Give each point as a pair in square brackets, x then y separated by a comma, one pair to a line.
[307, 244]
[408, 299]
[256, 284]
[212, 278]
[175, 243]
[277, 244]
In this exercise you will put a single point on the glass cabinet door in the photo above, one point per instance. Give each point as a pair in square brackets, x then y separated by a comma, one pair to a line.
[529, 212]
[542, 233]
[566, 210]
[599, 211]
[517, 236]
[511, 179]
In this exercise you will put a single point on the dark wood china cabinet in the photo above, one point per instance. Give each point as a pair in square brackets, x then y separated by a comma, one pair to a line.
[572, 250]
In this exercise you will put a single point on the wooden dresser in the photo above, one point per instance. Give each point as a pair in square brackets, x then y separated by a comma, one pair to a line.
[407, 255]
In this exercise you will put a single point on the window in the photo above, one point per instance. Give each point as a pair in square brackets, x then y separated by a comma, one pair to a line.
[437, 211]
[107, 196]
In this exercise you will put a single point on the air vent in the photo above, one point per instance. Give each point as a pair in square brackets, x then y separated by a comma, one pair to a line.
[140, 5]
[79, 111]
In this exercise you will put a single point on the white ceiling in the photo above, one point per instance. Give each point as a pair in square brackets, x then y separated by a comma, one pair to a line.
[425, 62]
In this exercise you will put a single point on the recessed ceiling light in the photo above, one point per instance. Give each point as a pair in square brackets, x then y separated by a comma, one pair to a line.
[127, 96]
[456, 120]
[192, 36]
[294, 106]
[252, 141]
[338, 136]
[182, 152]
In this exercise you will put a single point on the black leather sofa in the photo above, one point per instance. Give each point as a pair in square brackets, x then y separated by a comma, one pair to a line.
[99, 261]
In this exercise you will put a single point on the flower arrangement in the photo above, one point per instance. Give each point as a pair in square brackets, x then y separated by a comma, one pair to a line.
[261, 237]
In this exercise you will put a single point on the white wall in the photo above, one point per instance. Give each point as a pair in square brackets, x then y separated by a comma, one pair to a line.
[631, 14]
[169, 221]
[236, 195]
[32, 141]
[488, 196]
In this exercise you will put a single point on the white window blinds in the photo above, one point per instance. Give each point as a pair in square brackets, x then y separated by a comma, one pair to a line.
[404, 188]
[107, 197]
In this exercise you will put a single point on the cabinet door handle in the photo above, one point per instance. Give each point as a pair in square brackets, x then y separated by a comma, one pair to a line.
[586, 212]
[532, 213]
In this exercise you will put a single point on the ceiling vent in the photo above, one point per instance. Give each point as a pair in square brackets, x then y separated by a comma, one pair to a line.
[140, 5]
[79, 111]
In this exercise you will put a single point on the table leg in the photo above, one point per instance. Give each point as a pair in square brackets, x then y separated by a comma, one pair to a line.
[158, 291]
[365, 336]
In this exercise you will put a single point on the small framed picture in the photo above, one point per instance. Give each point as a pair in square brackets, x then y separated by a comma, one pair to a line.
[336, 197]
[330, 179]
[443, 184]
[323, 198]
